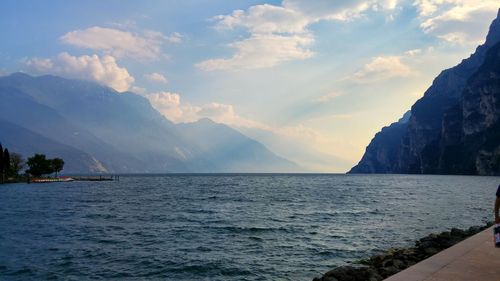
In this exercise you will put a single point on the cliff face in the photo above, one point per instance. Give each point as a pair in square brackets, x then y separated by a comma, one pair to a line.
[450, 126]
[383, 150]
[470, 142]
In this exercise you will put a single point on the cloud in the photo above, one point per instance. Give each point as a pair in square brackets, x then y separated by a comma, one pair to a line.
[344, 10]
[138, 90]
[457, 21]
[103, 70]
[279, 34]
[261, 51]
[264, 19]
[170, 105]
[118, 43]
[328, 97]
[381, 68]
[156, 77]
[413, 52]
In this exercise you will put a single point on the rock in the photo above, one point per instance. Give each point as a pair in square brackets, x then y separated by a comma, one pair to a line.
[431, 251]
[388, 271]
[394, 260]
[350, 273]
[457, 232]
[399, 264]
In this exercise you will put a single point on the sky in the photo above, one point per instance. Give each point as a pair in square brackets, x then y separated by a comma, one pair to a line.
[312, 80]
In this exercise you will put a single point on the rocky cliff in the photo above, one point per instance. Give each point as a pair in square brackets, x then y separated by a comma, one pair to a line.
[453, 128]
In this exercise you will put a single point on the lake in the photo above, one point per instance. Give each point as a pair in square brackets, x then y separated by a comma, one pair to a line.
[225, 227]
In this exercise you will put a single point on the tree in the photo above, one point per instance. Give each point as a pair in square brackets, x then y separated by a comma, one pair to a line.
[39, 165]
[6, 163]
[16, 163]
[2, 176]
[57, 165]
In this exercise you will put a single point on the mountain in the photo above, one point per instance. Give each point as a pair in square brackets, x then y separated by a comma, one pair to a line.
[309, 157]
[452, 127]
[382, 152]
[24, 144]
[106, 131]
[228, 150]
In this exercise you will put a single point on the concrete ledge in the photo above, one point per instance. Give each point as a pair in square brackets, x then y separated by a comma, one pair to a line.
[475, 258]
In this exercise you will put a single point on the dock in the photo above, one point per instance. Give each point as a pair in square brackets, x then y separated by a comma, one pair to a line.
[475, 258]
[75, 178]
[96, 178]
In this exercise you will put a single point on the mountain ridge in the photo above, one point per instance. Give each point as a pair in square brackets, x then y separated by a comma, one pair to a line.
[122, 132]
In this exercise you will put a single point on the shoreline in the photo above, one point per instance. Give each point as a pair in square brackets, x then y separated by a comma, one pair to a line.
[394, 260]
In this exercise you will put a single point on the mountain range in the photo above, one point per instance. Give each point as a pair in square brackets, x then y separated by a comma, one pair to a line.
[453, 129]
[98, 130]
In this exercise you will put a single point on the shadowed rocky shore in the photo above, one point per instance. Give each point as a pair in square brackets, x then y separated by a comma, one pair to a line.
[379, 267]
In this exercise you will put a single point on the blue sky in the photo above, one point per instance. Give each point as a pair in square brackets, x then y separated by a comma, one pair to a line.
[312, 80]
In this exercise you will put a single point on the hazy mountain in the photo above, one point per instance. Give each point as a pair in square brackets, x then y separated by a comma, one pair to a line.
[122, 132]
[228, 150]
[311, 159]
[437, 138]
[24, 143]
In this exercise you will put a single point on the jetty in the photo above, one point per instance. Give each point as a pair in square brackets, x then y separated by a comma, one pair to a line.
[75, 178]
[475, 258]
[97, 178]
[45, 180]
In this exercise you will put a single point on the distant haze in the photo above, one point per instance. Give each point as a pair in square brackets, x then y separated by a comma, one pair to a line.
[97, 130]
[308, 82]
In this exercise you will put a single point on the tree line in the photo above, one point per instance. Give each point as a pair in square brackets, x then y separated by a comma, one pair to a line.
[11, 165]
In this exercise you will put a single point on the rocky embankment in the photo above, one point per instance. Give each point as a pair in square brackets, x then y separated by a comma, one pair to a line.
[382, 266]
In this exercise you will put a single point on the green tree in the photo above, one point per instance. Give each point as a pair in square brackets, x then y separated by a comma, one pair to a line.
[39, 165]
[1, 164]
[57, 165]
[6, 163]
[16, 163]
[2, 176]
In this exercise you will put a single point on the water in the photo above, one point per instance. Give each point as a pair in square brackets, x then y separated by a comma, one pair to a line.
[225, 227]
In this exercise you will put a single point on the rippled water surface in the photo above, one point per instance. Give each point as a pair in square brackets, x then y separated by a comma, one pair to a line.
[225, 227]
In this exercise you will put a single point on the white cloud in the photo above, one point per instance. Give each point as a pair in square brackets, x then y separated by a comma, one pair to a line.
[138, 90]
[42, 65]
[262, 50]
[381, 68]
[280, 33]
[343, 10]
[413, 52]
[120, 43]
[156, 77]
[264, 19]
[103, 70]
[328, 97]
[457, 21]
[169, 105]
